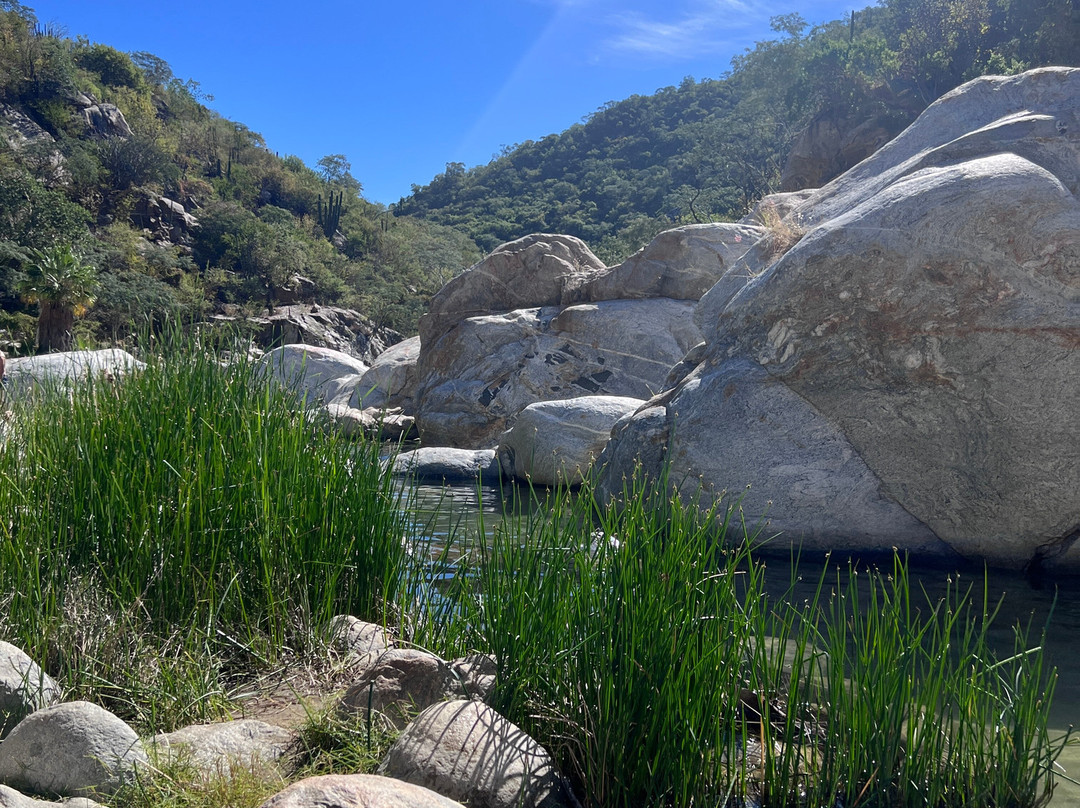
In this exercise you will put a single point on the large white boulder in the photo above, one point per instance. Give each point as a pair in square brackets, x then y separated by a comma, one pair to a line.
[555, 442]
[25, 374]
[311, 372]
[924, 333]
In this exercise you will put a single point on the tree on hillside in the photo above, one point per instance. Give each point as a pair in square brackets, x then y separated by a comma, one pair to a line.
[63, 287]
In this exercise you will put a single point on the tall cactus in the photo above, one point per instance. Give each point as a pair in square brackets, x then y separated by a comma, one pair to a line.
[330, 215]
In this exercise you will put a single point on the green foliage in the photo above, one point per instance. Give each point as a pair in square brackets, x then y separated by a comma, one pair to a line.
[707, 150]
[185, 522]
[647, 649]
[112, 66]
[32, 215]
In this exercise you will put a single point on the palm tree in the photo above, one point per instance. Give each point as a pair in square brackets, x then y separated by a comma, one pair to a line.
[63, 287]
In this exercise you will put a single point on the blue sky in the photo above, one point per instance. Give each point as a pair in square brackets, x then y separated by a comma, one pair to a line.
[402, 88]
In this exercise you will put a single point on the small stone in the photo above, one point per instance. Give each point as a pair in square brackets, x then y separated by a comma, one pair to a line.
[356, 791]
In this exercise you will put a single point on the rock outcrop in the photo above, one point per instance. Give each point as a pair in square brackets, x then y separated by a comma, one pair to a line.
[540, 319]
[343, 330]
[106, 120]
[923, 334]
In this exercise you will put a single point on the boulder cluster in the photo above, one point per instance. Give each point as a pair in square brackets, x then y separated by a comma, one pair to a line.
[452, 748]
[889, 361]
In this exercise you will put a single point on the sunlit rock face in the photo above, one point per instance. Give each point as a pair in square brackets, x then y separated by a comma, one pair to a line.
[923, 334]
[541, 319]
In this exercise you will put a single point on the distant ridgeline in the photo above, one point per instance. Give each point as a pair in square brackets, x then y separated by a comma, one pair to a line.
[178, 210]
[792, 113]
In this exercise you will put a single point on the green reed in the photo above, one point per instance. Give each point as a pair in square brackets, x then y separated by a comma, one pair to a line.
[642, 647]
[192, 509]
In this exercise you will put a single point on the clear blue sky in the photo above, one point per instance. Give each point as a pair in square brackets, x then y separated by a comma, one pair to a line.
[402, 88]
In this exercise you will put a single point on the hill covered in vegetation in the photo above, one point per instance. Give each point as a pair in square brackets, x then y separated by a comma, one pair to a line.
[708, 149]
[109, 159]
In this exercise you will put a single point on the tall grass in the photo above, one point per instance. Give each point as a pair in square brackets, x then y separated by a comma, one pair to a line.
[190, 507]
[655, 666]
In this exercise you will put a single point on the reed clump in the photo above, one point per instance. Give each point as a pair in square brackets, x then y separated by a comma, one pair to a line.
[165, 534]
[662, 668]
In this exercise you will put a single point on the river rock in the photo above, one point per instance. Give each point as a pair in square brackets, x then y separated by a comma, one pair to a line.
[402, 682]
[25, 374]
[443, 464]
[24, 687]
[359, 639]
[476, 378]
[681, 263]
[536, 270]
[391, 379]
[555, 442]
[468, 752]
[219, 750]
[308, 370]
[10, 798]
[924, 335]
[75, 749]
[476, 673]
[357, 791]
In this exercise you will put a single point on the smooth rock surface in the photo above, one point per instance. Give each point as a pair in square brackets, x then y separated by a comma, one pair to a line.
[476, 379]
[443, 464]
[468, 752]
[555, 442]
[220, 749]
[75, 749]
[391, 379]
[537, 270]
[681, 263]
[308, 370]
[341, 329]
[71, 367]
[24, 687]
[357, 791]
[925, 332]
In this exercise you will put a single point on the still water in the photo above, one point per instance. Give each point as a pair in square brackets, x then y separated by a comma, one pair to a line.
[451, 515]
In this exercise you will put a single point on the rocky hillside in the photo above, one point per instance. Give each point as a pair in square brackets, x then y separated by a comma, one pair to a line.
[178, 211]
[793, 113]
